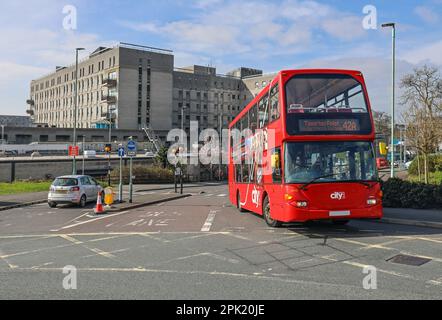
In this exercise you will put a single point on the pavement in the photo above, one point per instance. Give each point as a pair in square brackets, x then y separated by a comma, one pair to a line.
[201, 247]
[17, 200]
[416, 217]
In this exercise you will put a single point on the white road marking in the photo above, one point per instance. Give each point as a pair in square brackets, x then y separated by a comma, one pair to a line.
[222, 195]
[88, 221]
[209, 221]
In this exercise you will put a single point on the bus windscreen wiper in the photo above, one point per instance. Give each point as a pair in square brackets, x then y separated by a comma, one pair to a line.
[304, 186]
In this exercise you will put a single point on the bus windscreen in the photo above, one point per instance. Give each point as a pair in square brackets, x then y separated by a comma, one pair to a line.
[326, 104]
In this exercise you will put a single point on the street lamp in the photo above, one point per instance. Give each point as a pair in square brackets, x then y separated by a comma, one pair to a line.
[110, 142]
[3, 137]
[82, 148]
[74, 164]
[393, 71]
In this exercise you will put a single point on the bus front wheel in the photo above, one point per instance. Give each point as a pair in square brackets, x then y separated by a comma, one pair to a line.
[267, 215]
[340, 222]
[238, 203]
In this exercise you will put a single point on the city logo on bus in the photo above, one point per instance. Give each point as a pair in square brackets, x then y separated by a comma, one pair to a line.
[255, 196]
[338, 195]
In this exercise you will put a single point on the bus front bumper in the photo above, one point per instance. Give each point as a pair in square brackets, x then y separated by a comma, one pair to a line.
[293, 214]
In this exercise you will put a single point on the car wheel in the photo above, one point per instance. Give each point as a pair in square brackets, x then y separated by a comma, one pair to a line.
[83, 201]
[238, 203]
[340, 222]
[267, 215]
[52, 204]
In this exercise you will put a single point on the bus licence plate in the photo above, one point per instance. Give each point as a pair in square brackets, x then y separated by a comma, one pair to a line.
[339, 213]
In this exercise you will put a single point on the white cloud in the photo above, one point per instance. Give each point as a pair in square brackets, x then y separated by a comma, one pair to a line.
[428, 53]
[34, 43]
[255, 27]
[377, 75]
[427, 14]
[345, 28]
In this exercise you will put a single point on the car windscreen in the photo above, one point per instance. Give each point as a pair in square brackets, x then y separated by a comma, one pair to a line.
[65, 182]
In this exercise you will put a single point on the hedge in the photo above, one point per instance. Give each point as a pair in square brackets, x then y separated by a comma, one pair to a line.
[434, 164]
[404, 194]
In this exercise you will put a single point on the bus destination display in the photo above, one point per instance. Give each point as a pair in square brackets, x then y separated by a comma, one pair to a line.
[313, 125]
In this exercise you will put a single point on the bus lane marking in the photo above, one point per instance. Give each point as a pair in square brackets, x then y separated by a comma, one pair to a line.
[209, 221]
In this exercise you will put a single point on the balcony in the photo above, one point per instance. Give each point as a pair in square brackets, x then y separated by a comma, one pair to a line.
[105, 116]
[109, 83]
[30, 112]
[108, 99]
[30, 102]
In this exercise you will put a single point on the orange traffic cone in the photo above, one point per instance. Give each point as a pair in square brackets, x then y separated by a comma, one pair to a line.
[99, 208]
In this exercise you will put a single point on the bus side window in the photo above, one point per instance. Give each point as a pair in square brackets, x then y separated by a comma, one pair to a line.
[245, 171]
[244, 122]
[238, 172]
[263, 112]
[253, 118]
[276, 165]
[274, 104]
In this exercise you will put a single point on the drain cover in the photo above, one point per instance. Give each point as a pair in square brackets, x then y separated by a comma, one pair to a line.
[409, 260]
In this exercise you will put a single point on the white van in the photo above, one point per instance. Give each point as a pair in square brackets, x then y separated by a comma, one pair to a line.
[90, 153]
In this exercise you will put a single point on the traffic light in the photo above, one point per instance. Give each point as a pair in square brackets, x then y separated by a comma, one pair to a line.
[108, 148]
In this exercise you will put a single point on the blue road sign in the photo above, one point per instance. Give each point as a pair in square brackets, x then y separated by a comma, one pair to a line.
[131, 148]
[121, 152]
[131, 145]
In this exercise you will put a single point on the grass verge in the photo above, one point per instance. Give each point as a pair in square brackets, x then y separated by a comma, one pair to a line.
[434, 178]
[24, 187]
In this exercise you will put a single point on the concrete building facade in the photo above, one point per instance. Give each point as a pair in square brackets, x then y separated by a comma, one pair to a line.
[133, 87]
[15, 121]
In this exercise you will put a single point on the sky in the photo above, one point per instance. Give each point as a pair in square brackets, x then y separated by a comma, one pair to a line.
[269, 35]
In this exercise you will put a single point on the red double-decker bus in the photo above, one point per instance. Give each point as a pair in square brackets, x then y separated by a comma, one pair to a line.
[306, 151]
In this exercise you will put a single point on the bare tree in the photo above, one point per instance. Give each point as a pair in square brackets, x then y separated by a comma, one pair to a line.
[423, 99]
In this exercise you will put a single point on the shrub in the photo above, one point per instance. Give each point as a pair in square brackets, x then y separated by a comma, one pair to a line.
[434, 164]
[404, 194]
[144, 174]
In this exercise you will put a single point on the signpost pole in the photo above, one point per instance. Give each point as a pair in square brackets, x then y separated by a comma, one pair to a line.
[120, 186]
[175, 180]
[132, 152]
[130, 181]
[181, 179]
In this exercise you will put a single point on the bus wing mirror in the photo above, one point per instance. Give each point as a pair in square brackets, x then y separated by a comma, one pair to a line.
[275, 161]
[383, 148]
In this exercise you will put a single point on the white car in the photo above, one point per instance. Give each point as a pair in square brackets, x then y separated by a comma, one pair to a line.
[408, 164]
[150, 154]
[74, 189]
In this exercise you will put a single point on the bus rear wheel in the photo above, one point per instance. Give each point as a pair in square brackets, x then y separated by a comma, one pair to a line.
[267, 215]
[238, 203]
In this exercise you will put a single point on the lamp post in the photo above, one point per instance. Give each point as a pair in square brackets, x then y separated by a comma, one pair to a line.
[82, 148]
[110, 142]
[74, 164]
[393, 80]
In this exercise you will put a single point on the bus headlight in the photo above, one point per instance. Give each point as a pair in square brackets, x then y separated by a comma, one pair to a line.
[371, 202]
[301, 204]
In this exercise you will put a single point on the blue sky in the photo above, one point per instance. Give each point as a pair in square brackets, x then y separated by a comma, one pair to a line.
[270, 35]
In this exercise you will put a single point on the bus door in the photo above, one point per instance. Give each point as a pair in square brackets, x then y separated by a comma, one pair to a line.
[276, 186]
